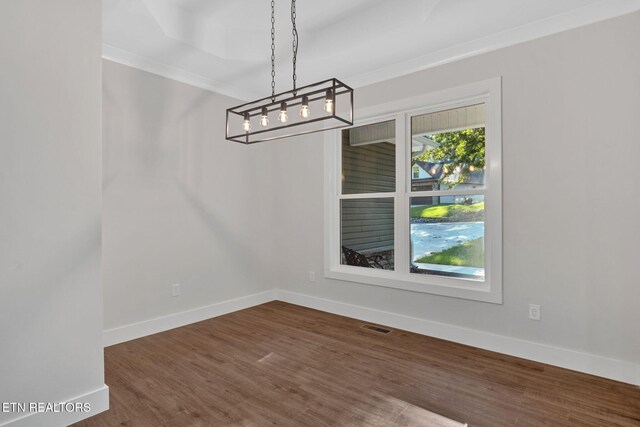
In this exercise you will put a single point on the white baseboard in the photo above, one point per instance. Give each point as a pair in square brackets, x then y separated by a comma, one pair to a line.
[565, 358]
[569, 359]
[171, 321]
[97, 399]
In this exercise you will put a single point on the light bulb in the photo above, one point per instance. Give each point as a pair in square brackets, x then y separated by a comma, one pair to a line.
[472, 168]
[328, 103]
[304, 111]
[247, 124]
[264, 120]
[283, 112]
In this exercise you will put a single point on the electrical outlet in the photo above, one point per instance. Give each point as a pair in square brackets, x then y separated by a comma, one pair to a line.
[312, 276]
[175, 290]
[534, 311]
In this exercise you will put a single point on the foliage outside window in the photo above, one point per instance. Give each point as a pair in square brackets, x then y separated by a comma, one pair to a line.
[447, 224]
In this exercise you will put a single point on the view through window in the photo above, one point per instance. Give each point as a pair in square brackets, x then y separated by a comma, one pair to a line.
[447, 193]
[368, 178]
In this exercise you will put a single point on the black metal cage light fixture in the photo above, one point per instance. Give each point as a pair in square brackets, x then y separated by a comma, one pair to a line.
[316, 107]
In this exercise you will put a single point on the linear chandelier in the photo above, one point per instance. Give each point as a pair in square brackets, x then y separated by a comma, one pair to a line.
[320, 106]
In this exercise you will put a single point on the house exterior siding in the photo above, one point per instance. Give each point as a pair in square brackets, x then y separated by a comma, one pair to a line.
[367, 224]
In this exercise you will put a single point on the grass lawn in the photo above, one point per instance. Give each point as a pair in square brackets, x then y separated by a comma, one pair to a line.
[445, 211]
[468, 254]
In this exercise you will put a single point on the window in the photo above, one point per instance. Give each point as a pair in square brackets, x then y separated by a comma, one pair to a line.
[414, 198]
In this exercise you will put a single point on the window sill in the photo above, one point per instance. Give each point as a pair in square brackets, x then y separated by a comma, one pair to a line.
[427, 284]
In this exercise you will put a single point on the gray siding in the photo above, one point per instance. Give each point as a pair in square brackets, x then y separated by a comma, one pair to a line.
[368, 168]
[367, 224]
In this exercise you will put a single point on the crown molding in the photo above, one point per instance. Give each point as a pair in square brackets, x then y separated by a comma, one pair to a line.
[152, 66]
[595, 12]
[591, 14]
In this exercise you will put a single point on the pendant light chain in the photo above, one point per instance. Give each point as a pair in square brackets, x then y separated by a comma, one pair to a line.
[273, 50]
[294, 32]
[295, 43]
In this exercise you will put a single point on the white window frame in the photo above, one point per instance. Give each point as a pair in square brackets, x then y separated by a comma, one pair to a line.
[487, 92]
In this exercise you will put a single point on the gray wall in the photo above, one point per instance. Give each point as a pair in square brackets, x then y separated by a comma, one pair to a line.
[570, 104]
[179, 203]
[51, 303]
[225, 220]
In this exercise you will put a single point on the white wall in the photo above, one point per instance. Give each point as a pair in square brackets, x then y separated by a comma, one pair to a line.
[179, 204]
[51, 293]
[571, 104]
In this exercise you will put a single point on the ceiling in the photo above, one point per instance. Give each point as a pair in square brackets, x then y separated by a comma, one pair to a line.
[224, 45]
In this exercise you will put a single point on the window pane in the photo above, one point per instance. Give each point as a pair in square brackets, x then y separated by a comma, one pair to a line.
[369, 158]
[366, 232]
[447, 149]
[447, 236]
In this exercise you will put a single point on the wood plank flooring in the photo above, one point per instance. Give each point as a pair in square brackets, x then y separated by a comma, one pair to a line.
[281, 364]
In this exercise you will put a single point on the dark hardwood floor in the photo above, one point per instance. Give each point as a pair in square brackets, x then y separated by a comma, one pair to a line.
[281, 364]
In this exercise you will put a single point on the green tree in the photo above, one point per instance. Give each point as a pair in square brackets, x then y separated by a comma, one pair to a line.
[462, 151]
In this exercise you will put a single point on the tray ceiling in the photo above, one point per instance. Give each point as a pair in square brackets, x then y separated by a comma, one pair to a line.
[224, 46]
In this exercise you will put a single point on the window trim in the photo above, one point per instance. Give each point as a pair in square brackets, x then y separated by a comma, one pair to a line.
[488, 92]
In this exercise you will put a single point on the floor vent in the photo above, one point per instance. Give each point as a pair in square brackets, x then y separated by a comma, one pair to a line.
[377, 329]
